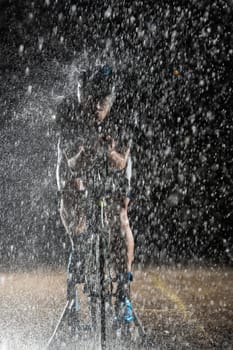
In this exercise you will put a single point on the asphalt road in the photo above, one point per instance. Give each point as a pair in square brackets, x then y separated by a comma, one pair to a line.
[180, 308]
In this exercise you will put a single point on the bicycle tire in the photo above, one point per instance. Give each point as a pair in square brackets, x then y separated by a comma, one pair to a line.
[102, 295]
[92, 283]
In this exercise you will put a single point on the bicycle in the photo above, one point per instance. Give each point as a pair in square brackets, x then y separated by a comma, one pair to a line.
[103, 275]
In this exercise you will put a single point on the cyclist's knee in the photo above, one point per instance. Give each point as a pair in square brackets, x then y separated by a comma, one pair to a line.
[124, 203]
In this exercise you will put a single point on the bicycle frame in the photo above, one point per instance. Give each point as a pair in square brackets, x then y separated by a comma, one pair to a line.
[98, 284]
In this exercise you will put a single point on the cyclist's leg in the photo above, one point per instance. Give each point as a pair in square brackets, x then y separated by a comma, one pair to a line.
[129, 242]
[73, 217]
[72, 212]
[127, 232]
[73, 207]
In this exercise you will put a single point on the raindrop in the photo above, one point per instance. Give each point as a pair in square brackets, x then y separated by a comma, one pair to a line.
[167, 151]
[173, 199]
[40, 43]
[21, 49]
[55, 30]
[29, 90]
[73, 8]
[210, 115]
[108, 12]
[27, 71]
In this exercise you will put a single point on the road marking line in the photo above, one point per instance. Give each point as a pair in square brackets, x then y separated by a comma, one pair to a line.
[170, 294]
[181, 307]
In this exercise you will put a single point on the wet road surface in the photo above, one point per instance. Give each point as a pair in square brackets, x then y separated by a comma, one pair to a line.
[180, 308]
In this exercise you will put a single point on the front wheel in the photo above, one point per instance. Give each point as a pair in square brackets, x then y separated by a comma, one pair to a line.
[102, 295]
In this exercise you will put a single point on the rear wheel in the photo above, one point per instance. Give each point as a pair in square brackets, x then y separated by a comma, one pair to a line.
[102, 294]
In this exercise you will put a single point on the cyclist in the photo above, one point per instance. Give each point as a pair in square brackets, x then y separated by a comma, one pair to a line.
[90, 129]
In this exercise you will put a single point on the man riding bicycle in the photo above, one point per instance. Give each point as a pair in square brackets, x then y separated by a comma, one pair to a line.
[92, 134]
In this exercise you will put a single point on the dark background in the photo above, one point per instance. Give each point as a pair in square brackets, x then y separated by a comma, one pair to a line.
[176, 60]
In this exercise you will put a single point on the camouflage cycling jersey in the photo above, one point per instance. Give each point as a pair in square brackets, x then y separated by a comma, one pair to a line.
[92, 164]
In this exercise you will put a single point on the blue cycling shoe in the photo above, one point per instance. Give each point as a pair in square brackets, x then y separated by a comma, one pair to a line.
[128, 312]
[129, 277]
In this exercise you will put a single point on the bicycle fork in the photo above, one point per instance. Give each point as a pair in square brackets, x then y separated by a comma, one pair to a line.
[102, 280]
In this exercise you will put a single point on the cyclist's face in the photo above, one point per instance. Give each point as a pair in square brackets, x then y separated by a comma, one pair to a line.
[103, 108]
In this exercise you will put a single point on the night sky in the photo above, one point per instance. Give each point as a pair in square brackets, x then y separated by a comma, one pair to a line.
[174, 66]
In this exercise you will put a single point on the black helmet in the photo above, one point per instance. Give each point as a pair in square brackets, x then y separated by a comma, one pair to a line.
[100, 83]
